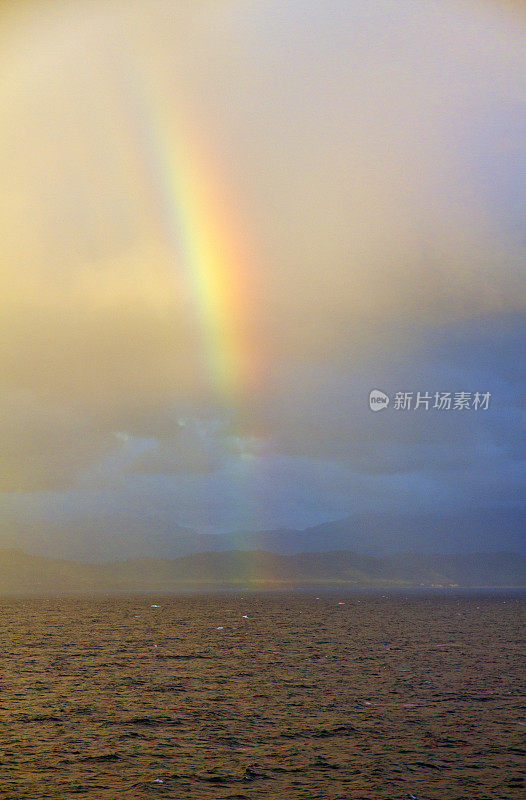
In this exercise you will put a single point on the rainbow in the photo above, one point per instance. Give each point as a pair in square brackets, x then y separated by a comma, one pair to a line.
[211, 256]
[210, 251]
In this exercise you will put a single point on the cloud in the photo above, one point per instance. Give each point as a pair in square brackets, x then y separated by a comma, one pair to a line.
[344, 137]
[45, 445]
[192, 448]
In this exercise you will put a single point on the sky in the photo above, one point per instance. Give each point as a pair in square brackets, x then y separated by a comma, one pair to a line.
[223, 224]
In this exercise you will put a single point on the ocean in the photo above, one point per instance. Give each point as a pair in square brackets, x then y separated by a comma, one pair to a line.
[340, 696]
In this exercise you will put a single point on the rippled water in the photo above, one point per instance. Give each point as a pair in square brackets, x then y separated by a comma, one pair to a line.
[262, 696]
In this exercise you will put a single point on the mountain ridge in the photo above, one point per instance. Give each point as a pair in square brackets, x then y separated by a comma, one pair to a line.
[106, 539]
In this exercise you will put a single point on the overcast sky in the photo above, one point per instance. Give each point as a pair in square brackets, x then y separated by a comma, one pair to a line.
[223, 224]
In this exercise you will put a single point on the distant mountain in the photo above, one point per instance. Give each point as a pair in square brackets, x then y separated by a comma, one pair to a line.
[105, 537]
[477, 530]
[21, 573]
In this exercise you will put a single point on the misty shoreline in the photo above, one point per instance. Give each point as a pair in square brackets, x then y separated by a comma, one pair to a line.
[260, 571]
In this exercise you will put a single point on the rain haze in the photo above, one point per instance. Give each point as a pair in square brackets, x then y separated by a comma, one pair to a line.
[223, 225]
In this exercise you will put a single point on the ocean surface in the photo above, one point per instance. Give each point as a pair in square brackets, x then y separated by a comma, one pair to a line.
[245, 696]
